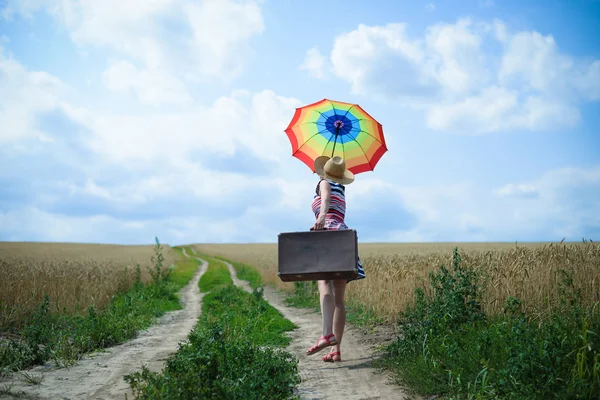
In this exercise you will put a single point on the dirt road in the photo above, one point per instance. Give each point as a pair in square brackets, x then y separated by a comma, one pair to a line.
[351, 379]
[100, 375]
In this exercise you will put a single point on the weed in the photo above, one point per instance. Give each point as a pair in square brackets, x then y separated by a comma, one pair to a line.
[233, 352]
[361, 315]
[32, 379]
[304, 295]
[6, 390]
[158, 272]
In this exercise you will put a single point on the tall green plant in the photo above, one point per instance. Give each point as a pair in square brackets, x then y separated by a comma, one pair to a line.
[159, 273]
[305, 294]
[455, 300]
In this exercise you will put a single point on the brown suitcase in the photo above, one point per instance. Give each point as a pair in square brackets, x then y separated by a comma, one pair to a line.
[317, 255]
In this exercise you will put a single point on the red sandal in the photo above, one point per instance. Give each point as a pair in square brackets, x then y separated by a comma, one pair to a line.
[316, 348]
[329, 356]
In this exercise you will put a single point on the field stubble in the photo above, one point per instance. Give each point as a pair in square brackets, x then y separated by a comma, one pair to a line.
[74, 276]
[532, 272]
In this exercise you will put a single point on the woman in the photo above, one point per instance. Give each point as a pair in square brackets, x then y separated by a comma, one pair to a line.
[329, 206]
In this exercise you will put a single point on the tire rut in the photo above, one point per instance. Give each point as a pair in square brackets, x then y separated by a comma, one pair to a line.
[352, 379]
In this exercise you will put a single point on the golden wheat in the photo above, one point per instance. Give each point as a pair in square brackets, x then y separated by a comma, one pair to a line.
[73, 275]
[531, 272]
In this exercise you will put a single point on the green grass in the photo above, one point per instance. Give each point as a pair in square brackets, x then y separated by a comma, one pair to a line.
[246, 273]
[306, 295]
[248, 315]
[185, 269]
[358, 314]
[63, 339]
[217, 274]
[234, 352]
[448, 346]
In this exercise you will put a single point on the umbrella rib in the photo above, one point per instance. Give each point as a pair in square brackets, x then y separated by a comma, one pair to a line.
[309, 122]
[363, 119]
[343, 149]
[378, 141]
[348, 110]
[363, 150]
[337, 130]
[329, 141]
[308, 140]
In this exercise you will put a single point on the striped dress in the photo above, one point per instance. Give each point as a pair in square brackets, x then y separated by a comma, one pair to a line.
[334, 219]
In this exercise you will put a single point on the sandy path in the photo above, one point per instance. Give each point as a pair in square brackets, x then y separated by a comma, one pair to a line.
[351, 379]
[100, 375]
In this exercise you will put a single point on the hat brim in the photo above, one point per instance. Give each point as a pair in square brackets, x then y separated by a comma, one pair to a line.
[348, 177]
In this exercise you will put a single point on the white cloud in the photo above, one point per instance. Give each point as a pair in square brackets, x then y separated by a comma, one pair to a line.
[456, 52]
[430, 7]
[499, 109]
[186, 203]
[455, 76]
[500, 31]
[314, 63]
[382, 60]
[211, 39]
[25, 93]
[486, 3]
[229, 124]
[560, 203]
[21, 7]
[223, 171]
[39, 225]
[132, 164]
[533, 60]
[121, 193]
[221, 30]
[151, 86]
[517, 190]
[242, 121]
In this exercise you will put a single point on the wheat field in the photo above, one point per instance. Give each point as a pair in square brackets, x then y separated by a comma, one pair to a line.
[532, 272]
[78, 275]
[74, 275]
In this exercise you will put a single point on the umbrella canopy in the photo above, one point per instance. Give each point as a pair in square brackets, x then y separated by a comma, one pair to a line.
[334, 128]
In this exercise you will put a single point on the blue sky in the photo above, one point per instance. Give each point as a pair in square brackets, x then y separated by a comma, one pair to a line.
[125, 120]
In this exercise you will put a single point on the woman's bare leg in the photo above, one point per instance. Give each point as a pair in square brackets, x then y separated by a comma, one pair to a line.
[327, 306]
[339, 316]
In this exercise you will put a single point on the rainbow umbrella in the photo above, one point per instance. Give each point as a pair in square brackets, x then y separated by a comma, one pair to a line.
[333, 128]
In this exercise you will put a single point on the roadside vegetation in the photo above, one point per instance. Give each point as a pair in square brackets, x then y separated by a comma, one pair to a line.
[235, 351]
[449, 345]
[64, 335]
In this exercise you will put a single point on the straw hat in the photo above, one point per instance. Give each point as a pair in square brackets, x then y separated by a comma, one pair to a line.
[333, 169]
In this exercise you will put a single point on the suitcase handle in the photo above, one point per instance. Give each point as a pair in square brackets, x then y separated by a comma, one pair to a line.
[312, 229]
